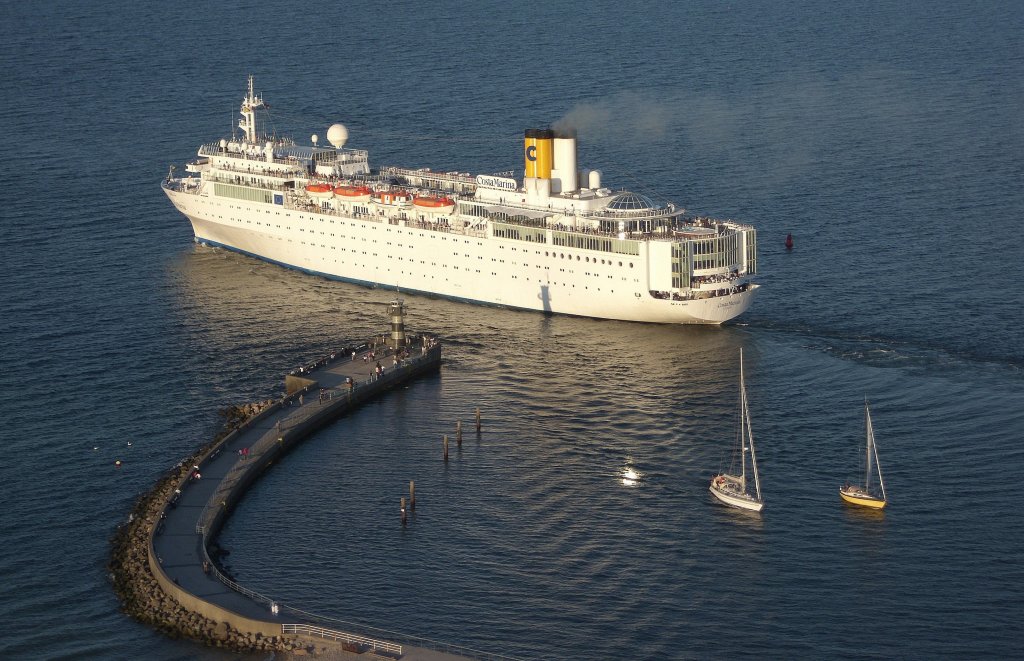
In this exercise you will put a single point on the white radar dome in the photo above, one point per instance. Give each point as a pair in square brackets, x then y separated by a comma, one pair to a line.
[314, 138]
[337, 135]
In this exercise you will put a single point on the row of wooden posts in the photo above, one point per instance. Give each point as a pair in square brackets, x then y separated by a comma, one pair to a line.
[412, 483]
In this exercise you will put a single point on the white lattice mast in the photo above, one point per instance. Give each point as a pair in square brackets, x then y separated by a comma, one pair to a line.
[249, 105]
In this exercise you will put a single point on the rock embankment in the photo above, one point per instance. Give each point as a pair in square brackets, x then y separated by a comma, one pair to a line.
[141, 595]
[234, 416]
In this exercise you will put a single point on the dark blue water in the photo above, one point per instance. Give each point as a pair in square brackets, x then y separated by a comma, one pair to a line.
[886, 137]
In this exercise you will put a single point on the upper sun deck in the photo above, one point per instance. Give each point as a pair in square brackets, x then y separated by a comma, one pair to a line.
[283, 153]
[675, 229]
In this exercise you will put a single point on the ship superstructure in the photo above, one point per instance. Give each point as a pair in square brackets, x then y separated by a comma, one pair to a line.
[556, 241]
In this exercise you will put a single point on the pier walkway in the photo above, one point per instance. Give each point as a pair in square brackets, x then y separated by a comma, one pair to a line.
[179, 558]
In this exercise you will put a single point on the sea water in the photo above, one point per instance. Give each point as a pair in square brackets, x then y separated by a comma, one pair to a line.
[885, 138]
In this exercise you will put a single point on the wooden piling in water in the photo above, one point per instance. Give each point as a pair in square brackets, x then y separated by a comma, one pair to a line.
[412, 495]
[478, 420]
[458, 433]
[446, 447]
[403, 510]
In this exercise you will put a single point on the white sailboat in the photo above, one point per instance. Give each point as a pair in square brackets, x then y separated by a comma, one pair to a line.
[732, 489]
[865, 495]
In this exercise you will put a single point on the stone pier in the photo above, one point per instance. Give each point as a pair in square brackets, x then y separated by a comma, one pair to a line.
[161, 564]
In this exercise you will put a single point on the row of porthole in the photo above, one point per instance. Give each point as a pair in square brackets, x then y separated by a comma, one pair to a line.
[562, 255]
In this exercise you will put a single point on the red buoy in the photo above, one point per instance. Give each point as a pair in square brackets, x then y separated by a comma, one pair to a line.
[789, 242]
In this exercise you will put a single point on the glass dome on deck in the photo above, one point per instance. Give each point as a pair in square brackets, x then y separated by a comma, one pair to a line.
[631, 202]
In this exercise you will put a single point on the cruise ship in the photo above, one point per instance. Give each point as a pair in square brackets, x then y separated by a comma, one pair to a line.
[556, 241]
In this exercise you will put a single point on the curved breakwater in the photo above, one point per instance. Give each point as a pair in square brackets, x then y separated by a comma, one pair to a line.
[143, 592]
[160, 564]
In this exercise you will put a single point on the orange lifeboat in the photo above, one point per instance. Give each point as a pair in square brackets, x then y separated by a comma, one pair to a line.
[352, 193]
[319, 190]
[434, 204]
[393, 196]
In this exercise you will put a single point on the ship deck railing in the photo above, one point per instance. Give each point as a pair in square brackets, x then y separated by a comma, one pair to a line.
[296, 201]
[636, 214]
[452, 177]
[662, 213]
[300, 204]
[294, 170]
[264, 185]
[718, 226]
[348, 156]
[694, 294]
[191, 185]
[687, 231]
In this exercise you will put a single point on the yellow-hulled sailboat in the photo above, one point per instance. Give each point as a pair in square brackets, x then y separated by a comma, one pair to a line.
[864, 495]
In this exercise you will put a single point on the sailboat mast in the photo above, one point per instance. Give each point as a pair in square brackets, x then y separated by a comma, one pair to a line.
[874, 451]
[869, 442]
[743, 429]
[749, 432]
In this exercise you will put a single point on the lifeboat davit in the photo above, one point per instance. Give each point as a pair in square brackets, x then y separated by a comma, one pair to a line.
[319, 190]
[393, 197]
[434, 204]
[352, 193]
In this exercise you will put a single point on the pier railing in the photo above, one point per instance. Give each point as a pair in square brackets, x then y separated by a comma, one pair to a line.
[361, 642]
[252, 594]
[364, 642]
[407, 639]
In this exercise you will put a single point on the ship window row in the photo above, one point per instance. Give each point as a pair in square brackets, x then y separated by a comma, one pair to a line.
[504, 231]
[473, 210]
[571, 240]
[390, 256]
[698, 264]
[751, 252]
[242, 193]
[434, 264]
[717, 252]
[675, 267]
[562, 255]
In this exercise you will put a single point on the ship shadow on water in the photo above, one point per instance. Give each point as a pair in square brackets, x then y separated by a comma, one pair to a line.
[545, 297]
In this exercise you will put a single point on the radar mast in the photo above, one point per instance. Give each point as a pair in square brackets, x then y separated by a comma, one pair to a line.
[249, 105]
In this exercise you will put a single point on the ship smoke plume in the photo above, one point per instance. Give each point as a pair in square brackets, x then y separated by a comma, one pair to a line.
[625, 115]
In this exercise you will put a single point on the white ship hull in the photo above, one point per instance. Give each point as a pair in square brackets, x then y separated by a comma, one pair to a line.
[482, 270]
